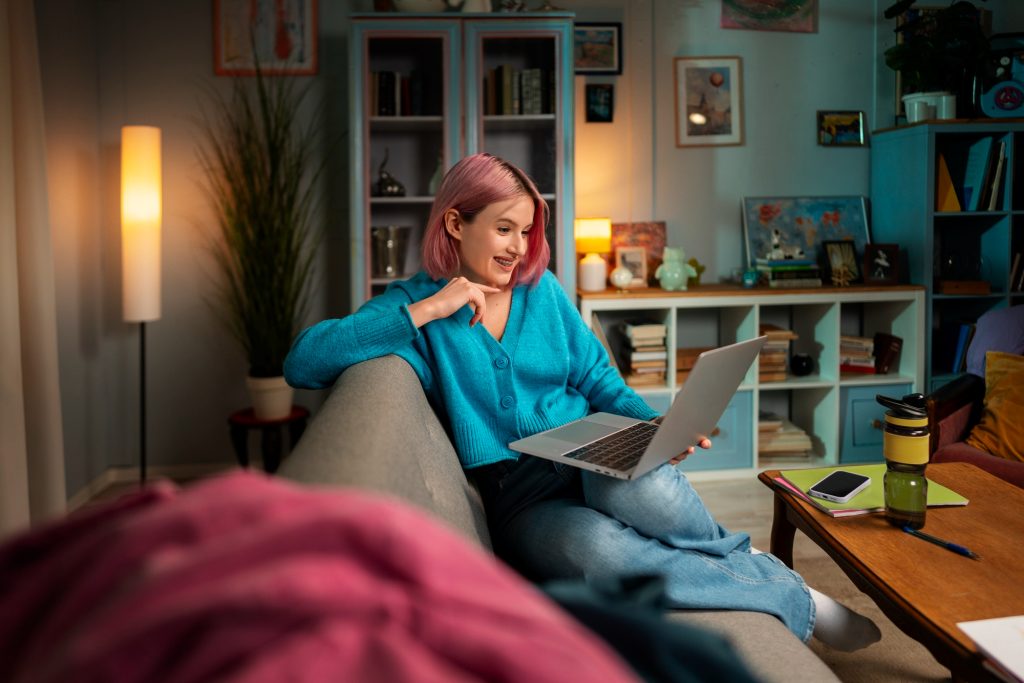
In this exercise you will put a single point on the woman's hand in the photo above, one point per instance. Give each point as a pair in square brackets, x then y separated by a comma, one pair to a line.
[453, 296]
[704, 443]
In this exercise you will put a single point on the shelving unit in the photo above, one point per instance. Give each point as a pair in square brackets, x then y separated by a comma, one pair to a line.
[441, 62]
[838, 410]
[948, 244]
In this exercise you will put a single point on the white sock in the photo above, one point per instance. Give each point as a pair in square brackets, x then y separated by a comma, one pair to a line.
[840, 627]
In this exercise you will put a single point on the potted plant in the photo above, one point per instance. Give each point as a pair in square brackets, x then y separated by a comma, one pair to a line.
[940, 50]
[257, 157]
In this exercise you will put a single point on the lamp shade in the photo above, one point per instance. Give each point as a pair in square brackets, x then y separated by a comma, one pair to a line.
[593, 235]
[140, 222]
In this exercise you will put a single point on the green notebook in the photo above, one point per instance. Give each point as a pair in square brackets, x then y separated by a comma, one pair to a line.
[870, 499]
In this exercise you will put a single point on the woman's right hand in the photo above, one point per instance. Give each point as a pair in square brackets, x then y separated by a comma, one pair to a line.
[453, 296]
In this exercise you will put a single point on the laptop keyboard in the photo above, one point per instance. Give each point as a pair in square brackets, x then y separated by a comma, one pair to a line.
[619, 451]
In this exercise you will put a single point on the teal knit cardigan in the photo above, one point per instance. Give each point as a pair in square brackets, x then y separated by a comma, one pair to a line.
[547, 370]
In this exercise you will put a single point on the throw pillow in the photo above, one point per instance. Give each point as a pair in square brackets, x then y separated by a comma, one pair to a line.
[1001, 428]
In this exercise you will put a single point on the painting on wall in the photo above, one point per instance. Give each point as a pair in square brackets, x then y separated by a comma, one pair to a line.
[709, 101]
[795, 228]
[597, 48]
[600, 99]
[797, 16]
[279, 35]
[841, 128]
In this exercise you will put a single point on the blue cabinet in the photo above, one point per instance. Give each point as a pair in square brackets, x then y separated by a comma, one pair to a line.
[732, 446]
[862, 419]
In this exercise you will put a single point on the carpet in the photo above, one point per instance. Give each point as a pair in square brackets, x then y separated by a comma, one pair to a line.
[896, 657]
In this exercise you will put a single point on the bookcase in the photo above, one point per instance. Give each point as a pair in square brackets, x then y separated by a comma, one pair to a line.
[837, 410]
[427, 90]
[920, 175]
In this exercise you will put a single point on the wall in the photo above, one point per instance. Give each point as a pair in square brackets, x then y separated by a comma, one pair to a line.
[106, 63]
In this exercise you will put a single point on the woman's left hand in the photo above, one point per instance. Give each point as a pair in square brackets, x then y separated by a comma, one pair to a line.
[704, 443]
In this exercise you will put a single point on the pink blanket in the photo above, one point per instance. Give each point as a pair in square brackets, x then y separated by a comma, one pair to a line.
[246, 578]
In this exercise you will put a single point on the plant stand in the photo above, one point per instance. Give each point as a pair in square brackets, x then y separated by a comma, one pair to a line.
[241, 422]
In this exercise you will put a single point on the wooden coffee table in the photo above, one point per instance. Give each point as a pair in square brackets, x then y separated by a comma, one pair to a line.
[923, 588]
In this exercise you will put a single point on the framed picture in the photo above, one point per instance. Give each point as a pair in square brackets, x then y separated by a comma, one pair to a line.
[882, 264]
[597, 48]
[635, 260]
[786, 228]
[600, 99]
[841, 262]
[280, 36]
[709, 101]
[650, 235]
[841, 128]
[800, 16]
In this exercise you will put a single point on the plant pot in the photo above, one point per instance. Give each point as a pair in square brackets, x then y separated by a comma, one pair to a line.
[922, 106]
[271, 397]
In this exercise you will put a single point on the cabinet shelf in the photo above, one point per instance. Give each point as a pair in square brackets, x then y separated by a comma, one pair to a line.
[406, 122]
[422, 199]
[838, 411]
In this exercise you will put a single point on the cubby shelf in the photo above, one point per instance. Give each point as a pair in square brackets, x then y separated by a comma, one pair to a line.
[837, 410]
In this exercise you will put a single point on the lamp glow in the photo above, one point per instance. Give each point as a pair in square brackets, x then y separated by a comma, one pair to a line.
[140, 222]
[593, 238]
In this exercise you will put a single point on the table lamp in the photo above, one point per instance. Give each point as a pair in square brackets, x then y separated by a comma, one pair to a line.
[593, 238]
[140, 245]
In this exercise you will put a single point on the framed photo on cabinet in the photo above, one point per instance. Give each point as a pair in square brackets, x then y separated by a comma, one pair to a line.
[281, 37]
[634, 259]
[597, 48]
[841, 262]
[709, 101]
[882, 264]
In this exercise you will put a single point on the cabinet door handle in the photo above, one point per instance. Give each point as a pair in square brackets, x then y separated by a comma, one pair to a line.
[716, 431]
[876, 424]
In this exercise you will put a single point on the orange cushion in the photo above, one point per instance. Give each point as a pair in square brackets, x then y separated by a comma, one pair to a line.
[1001, 428]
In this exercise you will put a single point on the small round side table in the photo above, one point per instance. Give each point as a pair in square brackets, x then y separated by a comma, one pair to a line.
[241, 422]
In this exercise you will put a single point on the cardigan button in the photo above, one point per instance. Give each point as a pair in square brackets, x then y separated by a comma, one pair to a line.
[508, 402]
[501, 363]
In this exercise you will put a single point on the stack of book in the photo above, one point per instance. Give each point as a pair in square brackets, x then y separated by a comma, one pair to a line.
[778, 438]
[644, 355]
[778, 273]
[774, 359]
[856, 354]
[511, 91]
[685, 358]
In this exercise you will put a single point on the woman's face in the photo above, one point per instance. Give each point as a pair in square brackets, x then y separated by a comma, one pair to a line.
[491, 247]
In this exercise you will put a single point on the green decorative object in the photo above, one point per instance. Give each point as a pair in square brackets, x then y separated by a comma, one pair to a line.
[699, 268]
[259, 161]
[674, 272]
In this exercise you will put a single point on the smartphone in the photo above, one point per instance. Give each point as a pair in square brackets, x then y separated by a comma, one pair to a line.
[840, 486]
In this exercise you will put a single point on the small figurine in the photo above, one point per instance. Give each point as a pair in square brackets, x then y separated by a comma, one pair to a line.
[783, 252]
[674, 271]
[386, 185]
[700, 268]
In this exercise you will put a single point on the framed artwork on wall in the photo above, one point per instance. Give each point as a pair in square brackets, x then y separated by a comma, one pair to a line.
[794, 228]
[597, 48]
[600, 100]
[799, 16]
[280, 36]
[841, 128]
[709, 101]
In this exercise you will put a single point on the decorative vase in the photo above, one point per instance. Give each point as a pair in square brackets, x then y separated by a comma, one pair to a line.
[271, 397]
[801, 364]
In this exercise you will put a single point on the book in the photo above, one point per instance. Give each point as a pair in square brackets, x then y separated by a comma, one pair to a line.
[871, 499]
[795, 283]
[1002, 639]
[635, 356]
[887, 351]
[975, 172]
[1013, 271]
[963, 340]
[643, 330]
[784, 263]
[992, 195]
[945, 193]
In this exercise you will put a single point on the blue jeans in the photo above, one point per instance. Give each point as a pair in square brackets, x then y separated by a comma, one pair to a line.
[551, 522]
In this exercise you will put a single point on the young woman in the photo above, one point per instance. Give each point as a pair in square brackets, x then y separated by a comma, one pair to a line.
[502, 353]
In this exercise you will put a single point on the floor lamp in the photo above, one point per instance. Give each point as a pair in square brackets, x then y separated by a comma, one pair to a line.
[140, 246]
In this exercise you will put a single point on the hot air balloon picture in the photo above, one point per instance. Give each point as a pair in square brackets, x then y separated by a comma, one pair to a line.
[279, 35]
[709, 101]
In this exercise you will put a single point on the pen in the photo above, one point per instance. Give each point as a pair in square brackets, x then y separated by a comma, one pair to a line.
[958, 549]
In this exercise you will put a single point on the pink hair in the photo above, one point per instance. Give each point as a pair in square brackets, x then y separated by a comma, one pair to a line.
[469, 187]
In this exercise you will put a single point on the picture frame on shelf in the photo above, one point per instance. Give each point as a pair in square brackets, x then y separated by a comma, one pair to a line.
[786, 228]
[841, 263]
[600, 102]
[597, 48]
[709, 101]
[647, 234]
[633, 259]
[882, 264]
[841, 128]
[281, 37]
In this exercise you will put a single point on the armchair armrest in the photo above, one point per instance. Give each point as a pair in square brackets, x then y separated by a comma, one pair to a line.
[953, 409]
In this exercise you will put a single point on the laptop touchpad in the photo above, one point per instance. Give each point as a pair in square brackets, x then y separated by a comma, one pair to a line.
[582, 432]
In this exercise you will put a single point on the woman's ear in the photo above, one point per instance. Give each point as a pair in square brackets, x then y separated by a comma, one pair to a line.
[452, 225]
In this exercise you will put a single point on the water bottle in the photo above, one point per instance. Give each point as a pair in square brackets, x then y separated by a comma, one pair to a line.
[905, 447]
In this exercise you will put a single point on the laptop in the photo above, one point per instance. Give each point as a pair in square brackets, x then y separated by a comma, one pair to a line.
[628, 448]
